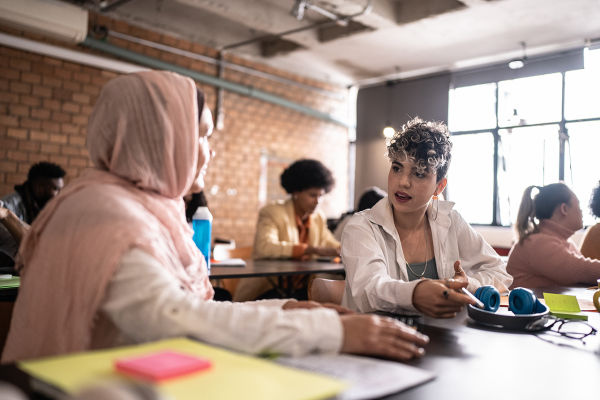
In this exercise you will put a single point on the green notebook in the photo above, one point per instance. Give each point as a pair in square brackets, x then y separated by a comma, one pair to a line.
[564, 306]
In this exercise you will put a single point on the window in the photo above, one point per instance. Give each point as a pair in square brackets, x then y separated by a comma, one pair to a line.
[532, 100]
[530, 157]
[582, 91]
[472, 108]
[473, 196]
[581, 169]
[526, 141]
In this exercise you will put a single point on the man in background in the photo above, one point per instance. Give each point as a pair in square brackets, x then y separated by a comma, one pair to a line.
[19, 209]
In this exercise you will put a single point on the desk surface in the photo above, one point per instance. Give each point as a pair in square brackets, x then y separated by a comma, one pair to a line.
[476, 362]
[262, 268]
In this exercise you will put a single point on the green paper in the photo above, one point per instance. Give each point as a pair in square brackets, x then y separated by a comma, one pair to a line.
[11, 282]
[564, 306]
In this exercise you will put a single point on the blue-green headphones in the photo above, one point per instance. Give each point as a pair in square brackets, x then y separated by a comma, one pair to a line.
[521, 300]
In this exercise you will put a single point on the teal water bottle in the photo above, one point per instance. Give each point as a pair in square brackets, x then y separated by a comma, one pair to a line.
[202, 225]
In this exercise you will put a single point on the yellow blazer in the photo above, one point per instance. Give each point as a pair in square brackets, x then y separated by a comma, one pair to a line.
[277, 231]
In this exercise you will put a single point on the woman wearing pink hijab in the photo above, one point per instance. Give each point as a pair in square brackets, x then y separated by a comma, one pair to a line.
[111, 260]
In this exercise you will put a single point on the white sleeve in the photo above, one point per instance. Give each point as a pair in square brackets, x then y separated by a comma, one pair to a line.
[146, 304]
[371, 286]
[482, 265]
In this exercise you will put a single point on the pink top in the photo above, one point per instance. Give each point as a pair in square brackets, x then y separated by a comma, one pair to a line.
[549, 258]
[143, 141]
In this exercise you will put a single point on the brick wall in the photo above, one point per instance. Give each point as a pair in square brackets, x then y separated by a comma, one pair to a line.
[45, 103]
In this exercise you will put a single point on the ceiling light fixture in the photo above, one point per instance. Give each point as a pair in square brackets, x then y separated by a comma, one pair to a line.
[519, 62]
[389, 131]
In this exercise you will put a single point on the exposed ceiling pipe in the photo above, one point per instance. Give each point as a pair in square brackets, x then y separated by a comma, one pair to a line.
[105, 6]
[211, 80]
[103, 31]
[347, 18]
[301, 5]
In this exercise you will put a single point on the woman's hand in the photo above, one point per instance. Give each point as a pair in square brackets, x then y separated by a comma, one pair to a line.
[459, 274]
[383, 337]
[439, 299]
[3, 212]
[290, 305]
[323, 251]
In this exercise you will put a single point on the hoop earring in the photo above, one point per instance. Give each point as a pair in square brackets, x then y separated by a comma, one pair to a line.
[437, 204]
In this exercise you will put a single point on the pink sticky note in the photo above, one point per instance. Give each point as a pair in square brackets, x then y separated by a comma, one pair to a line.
[162, 365]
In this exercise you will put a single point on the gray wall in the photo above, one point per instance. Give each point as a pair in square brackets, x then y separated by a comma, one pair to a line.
[425, 97]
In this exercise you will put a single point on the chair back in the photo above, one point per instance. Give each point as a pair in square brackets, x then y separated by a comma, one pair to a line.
[326, 290]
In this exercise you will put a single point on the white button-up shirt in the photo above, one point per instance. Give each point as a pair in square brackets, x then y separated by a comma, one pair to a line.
[143, 302]
[376, 277]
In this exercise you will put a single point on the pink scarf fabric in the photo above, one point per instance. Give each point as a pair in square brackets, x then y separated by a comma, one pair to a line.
[143, 141]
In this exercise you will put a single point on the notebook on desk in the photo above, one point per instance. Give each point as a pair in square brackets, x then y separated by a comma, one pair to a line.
[232, 375]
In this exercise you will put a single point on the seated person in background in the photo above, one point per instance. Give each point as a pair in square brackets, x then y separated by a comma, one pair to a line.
[111, 261]
[296, 228]
[406, 236]
[369, 198]
[192, 202]
[590, 244]
[12, 230]
[44, 181]
[544, 255]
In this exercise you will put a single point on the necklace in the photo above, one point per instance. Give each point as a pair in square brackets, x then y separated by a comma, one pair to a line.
[426, 248]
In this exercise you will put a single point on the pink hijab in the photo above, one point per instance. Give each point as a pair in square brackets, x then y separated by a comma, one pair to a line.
[143, 140]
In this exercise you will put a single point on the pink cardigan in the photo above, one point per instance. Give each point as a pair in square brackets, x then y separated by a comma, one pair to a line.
[549, 258]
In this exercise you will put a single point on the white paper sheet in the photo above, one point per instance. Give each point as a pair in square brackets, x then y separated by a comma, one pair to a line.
[369, 378]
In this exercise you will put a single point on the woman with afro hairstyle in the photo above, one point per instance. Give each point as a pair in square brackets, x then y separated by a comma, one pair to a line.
[590, 244]
[295, 228]
[411, 251]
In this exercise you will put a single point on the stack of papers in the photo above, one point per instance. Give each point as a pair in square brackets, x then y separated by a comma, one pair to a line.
[369, 378]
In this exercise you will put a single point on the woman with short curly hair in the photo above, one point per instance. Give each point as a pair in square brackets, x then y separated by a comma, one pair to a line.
[411, 234]
[590, 244]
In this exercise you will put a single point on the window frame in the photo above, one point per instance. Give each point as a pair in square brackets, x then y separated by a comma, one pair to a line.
[563, 137]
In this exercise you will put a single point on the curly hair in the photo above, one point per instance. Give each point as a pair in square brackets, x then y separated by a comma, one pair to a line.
[595, 202]
[307, 174]
[45, 170]
[426, 143]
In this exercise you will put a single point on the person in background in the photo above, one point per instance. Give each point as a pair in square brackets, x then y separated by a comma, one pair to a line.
[44, 182]
[544, 254]
[117, 238]
[411, 251]
[369, 198]
[590, 244]
[295, 228]
[192, 202]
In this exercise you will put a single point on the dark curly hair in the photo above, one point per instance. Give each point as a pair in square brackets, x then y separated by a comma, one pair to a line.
[426, 143]
[45, 170]
[307, 174]
[595, 202]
